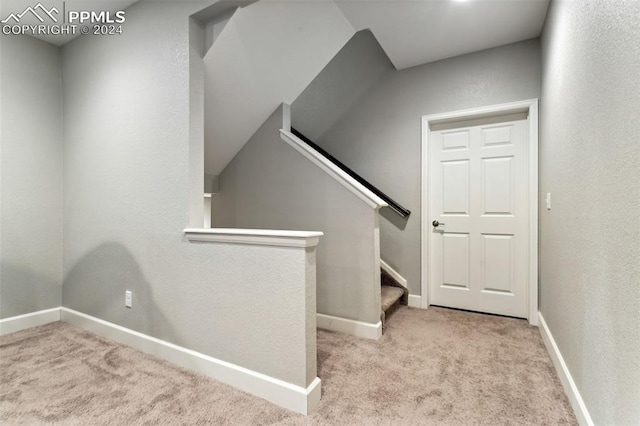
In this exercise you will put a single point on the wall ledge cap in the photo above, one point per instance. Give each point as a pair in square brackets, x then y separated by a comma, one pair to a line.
[257, 237]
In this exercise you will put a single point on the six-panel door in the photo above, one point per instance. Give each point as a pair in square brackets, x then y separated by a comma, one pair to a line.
[478, 192]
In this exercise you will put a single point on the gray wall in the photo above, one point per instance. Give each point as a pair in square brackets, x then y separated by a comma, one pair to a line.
[270, 185]
[127, 182]
[349, 75]
[196, 124]
[590, 162]
[30, 176]
[380, 136]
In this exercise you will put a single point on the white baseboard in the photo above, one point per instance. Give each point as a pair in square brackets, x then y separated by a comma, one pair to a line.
[570, 388]
[355, 328]
[33, 319]
[394, 274]
[287, 395]
[415, 301]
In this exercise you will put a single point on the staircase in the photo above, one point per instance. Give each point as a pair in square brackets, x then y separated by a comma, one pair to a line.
[392, 292]
[392, 295]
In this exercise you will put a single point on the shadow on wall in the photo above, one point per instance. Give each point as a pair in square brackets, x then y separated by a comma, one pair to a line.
[395, 219]
[24, 291]
[96, 286]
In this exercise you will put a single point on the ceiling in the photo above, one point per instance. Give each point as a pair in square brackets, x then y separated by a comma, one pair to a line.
[412, 32]
[421, 31]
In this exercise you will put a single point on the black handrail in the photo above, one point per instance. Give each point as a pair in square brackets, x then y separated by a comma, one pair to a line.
[392, 204]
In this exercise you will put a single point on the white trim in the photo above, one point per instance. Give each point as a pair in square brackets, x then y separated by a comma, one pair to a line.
[260, 237]
[371, 199]
[415, 301]
[287, 395]
[480, 112]
[570, 388]
[394, 274]
[355, 328]
[32, 319]
[531, 106]
[533, 212]
[424, 213]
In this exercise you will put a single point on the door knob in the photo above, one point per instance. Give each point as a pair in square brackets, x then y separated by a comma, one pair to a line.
[436, 223]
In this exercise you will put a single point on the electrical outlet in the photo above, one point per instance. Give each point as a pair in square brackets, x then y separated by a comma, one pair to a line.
[128, 296]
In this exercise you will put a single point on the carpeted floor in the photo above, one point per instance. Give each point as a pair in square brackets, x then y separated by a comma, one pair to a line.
[435, 367]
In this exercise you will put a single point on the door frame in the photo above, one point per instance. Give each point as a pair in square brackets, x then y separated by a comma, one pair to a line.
[531, 107]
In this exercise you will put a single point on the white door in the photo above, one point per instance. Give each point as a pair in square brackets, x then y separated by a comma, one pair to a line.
[478, 214]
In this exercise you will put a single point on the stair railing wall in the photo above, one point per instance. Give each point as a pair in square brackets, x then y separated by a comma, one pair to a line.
[269, 185]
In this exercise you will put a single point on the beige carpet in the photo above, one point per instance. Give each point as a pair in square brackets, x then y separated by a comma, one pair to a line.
[435, 367]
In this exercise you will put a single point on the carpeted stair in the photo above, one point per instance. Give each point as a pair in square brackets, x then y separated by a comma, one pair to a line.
[392, 295]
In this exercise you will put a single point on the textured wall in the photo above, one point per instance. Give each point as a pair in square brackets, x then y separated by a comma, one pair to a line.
[127, 181]
[380, 136]
[31, 176]
[590, 162]
[267, 53]
[196, 125]
[270, 185]
[349, 75]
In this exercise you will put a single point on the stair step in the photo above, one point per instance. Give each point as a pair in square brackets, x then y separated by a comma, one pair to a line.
[389, 296]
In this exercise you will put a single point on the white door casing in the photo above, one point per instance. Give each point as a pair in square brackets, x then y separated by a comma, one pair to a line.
[480, 184]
